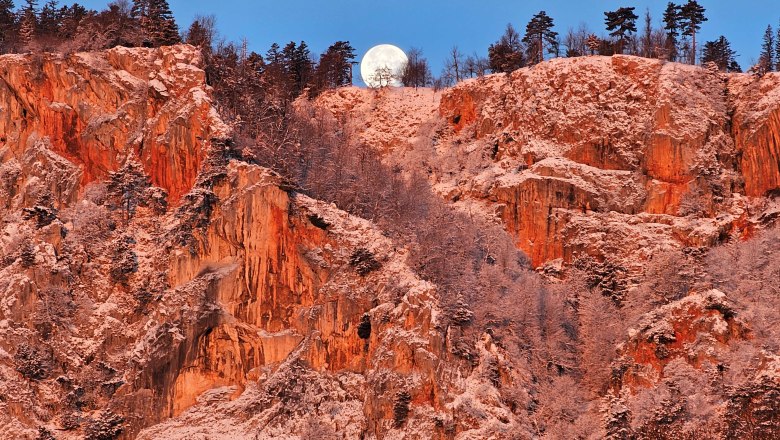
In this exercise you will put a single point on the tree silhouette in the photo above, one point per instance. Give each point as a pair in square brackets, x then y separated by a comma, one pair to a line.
[335, 66]
[416, 72]
[620, 23]
[672, 26]
[506, 55]
[691, 18]
[767, 57]
[720, 53]
[538, 36]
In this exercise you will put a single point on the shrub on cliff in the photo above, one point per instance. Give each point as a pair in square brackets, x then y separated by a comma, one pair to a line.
[33, 363]
[123, 260]
[107, 426]
[127, 187]
[363, 261]
[401, 407]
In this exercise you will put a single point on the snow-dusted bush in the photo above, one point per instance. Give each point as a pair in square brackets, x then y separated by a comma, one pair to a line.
[33, 363]
[107, 426]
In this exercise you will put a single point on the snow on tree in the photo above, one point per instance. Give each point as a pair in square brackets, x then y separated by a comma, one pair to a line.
[382, 77]
[28, 23]
[128, 185]
[538, 36]
[594, 43]
[506, 55]
[620, 23]
[123, 259]
[157, 25]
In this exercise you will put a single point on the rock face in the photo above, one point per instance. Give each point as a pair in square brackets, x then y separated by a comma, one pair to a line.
[601, 157]
[286, 313]
[96, 109]
[755, 129]
[610, 140]
[240, 309]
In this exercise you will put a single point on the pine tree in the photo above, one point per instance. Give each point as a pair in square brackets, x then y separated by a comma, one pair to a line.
[767, 58]
[127, 186]
[49, 21]
[273, 56]
[164, 30]
[777, 49]
[70, 18]
[720, 53]
[621, 23]
[506, 55]
[297, 66]
[593, 42]
[28, 22]
[538, 35]
[335, 67]
[672, 26]
[156, 22]
[199, 35]
[7, 22]
[691, 18]
[647, 37]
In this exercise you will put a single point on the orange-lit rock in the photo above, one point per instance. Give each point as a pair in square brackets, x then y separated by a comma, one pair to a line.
[756, 129]
[697, 329]
[96, 108]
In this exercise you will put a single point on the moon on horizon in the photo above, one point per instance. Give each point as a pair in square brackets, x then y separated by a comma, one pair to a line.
[380, 57]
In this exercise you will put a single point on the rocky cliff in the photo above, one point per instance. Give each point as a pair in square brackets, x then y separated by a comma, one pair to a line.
[152, 285]
[597, 157]
[233, 307]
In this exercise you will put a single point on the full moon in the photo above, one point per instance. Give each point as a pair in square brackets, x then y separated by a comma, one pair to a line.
[382, 65]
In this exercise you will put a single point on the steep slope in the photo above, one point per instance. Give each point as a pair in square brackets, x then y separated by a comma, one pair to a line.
[602, 168]
[233, 307]
[154, 286]
[95, 109]
[602, 158]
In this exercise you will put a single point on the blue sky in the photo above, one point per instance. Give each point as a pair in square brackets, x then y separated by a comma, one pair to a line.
[436, 25]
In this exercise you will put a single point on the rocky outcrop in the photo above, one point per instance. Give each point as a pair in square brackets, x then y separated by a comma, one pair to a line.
[586, 157]
[95, 109]
[695, 330]
[633, 136]
[279, 309]
[756, 129]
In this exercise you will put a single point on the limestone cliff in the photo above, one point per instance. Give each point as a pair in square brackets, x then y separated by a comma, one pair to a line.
[282, 311]
[95, 109]
[599, 157]
[211, 301]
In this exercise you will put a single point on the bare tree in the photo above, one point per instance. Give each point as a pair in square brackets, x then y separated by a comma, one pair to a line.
[453, 66]
[416, 72]
[382, 77]
[576, 41]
